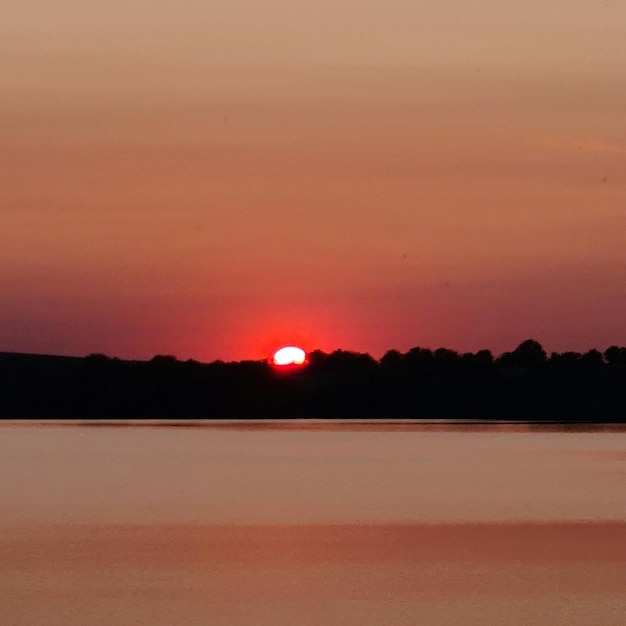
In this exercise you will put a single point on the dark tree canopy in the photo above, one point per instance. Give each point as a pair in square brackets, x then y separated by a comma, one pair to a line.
[522, 384]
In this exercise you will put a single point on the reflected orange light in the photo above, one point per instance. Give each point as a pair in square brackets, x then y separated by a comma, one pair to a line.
[289, 355]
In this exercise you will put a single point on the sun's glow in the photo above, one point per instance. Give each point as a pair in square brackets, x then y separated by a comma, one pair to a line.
[289, 355]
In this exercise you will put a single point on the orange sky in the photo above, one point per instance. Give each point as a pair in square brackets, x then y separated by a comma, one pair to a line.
[206, 179]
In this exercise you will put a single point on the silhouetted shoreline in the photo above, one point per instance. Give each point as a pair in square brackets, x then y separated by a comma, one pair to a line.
[525, 385]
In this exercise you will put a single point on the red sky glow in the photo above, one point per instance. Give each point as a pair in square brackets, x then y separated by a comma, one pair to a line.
[211, 180]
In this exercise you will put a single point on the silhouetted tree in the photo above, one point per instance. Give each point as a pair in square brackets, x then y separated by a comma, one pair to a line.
[391, 359]
[615, 356]
[483, 358]
[419, 358]
[446, 358]
[592, 359]
[529, 354]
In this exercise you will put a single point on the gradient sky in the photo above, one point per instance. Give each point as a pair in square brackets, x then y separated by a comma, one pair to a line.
[209, 179]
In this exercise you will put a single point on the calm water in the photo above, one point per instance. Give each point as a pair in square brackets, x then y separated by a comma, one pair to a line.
[311, 524]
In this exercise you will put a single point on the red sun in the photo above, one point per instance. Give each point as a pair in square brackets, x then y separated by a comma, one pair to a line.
[289, 355]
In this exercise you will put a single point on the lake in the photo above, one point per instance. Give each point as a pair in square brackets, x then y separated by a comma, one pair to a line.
[269, 523]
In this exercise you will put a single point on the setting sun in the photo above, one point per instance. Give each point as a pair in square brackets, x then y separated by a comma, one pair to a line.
[289, 355]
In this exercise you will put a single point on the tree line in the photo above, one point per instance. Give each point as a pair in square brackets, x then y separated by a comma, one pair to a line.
[524, 384]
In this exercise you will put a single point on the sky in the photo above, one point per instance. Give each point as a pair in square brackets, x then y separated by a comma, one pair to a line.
[214, 179]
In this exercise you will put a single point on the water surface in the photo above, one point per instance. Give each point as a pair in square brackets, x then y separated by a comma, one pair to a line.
[312, 523]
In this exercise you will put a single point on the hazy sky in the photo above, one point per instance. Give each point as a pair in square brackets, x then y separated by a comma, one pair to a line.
[209, 179]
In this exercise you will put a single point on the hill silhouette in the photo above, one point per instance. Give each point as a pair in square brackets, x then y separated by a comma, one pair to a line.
[525, 384]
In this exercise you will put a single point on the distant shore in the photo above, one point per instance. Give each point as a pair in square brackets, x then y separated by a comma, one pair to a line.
[525, 386]
[323, 424]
